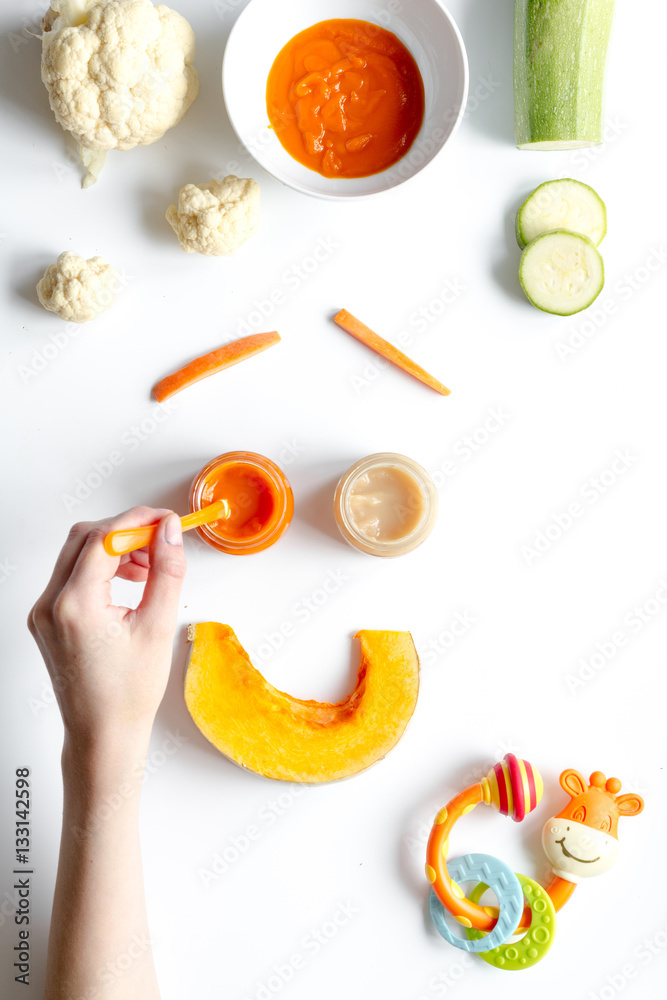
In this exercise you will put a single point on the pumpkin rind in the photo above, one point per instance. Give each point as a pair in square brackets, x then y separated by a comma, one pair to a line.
[278, 736]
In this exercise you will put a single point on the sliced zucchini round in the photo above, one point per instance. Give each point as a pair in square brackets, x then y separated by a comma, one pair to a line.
[562, 204]
[561, 272]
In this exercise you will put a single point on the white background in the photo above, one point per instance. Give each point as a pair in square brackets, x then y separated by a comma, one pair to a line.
[504, 683]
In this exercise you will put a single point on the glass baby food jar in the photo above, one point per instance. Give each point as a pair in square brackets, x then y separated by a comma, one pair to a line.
[260, 501]
[385, 504]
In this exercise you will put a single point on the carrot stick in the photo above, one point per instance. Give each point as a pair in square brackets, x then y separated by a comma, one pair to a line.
[357, 329]
[209, 364]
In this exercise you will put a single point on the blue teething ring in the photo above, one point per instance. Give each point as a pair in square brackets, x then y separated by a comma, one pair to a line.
[499, 877]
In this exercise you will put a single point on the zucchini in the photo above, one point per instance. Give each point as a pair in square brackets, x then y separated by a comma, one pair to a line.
[562, 204]
[561, 272]
[560, 50]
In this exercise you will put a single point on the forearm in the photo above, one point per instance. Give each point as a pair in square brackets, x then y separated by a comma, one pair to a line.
[99, 944]
[109, 667]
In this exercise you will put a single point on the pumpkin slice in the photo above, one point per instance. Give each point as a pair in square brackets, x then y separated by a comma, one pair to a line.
[278, 736]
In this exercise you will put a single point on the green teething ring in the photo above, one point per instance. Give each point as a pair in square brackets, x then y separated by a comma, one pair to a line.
[537, 940]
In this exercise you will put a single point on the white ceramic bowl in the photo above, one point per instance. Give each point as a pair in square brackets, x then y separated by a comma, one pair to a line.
[265, 26]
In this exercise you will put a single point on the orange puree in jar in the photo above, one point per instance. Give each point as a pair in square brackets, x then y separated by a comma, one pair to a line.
[259, 497]
[345, 98]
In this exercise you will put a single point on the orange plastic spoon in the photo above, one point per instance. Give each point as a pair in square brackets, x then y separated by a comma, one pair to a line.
[119, 543]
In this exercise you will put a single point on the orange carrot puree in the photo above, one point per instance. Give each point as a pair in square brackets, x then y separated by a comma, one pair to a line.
[251, 497]
[259, 498]
[345, 98]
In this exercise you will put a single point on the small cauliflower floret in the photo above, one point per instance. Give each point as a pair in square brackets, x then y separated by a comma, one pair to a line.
[215, 218]
[119, 72]
[76, 289]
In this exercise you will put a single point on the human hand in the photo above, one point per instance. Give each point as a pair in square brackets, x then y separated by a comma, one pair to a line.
[109, 665]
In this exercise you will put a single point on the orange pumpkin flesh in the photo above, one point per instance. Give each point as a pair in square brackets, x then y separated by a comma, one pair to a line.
[278, 736]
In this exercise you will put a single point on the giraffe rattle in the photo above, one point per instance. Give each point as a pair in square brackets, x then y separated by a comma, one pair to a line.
[581, 841]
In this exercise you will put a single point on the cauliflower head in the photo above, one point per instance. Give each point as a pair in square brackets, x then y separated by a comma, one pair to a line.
[119, 72]
[215, 218]
[77, 290]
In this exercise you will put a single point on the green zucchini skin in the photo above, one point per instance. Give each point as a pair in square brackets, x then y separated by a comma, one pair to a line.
[560, 52]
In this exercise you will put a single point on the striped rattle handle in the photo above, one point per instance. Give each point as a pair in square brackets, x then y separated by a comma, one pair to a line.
[513, 787]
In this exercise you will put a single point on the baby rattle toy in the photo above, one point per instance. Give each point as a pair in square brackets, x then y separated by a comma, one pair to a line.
[581, 841]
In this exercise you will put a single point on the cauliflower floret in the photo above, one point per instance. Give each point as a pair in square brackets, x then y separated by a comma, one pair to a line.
[76, 289]
[217, 217]
[118, 72]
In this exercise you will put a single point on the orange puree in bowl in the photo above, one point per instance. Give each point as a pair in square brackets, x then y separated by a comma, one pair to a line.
[259, 498]
[251, 498]
[345, 98]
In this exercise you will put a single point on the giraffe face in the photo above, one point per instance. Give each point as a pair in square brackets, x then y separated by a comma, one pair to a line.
[577, 851]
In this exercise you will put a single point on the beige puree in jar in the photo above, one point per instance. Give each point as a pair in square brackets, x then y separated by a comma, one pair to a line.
[385, 504]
